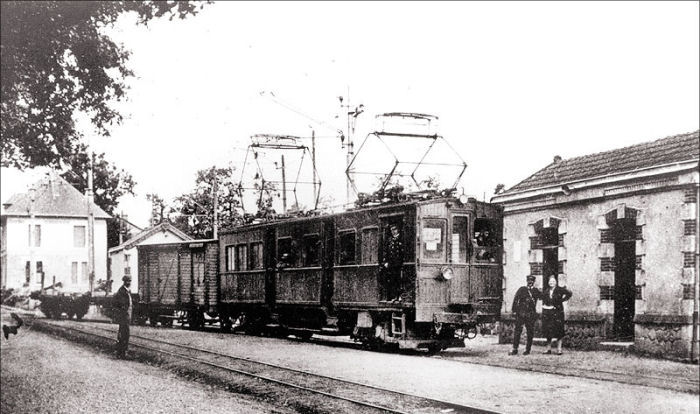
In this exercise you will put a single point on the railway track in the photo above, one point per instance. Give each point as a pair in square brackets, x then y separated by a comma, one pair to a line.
[348, 396]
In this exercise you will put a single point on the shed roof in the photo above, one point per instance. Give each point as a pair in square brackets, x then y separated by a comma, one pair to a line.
[669, 150]
[54, 197]
[143, 235]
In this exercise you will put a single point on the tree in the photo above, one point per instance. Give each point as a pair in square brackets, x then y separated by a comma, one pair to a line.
[195, 210]
[56, 60]
[109, 184]
[158, 209]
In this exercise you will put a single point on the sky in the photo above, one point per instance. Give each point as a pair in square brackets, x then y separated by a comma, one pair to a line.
[512, 83]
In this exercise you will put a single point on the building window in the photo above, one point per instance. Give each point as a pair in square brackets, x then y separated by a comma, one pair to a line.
[78, 236]
[688, 259]
[241, 257]
[638, 292]
[607, 264]
[27, 271]
[688, 291]
[39, 271]
[535, 268]
[74, 273]
[461, 242]
[312, 250]
[369, 252]
[229, 257]
[127, 258]
[433, 239]
[256, 255]
[689, 227]
[607, 292]
[84, 271]
[691, 196]
[127, 271]
[346, 254]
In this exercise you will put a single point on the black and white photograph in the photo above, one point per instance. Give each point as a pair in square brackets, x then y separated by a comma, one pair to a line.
[326, 207]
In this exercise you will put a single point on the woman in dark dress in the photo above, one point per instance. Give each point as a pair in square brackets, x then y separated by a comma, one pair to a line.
[553, 299]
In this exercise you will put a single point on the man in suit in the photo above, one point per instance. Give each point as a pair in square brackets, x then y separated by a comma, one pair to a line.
[392, 266]
[123, 308]
[525, 312]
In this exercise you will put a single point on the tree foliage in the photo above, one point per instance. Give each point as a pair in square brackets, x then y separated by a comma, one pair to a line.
[109, 183]
[56, 60]
[194, 211]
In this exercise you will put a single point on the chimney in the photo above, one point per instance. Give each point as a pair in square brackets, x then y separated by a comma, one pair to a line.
[557, 159]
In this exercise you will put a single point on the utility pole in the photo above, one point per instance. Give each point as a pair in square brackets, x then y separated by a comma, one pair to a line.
[313, 162]
[91, 226]
[216, 205]
[284, 188]
[351, 120]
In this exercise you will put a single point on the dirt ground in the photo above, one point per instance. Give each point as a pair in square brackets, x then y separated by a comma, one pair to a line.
[42, 374]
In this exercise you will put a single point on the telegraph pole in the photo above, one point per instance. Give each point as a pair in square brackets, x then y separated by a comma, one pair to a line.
[91, 226]
[284, 188]
[216, 206]
[313, 161]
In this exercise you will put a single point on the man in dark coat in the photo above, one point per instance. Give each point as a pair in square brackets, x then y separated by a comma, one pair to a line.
[123, 308]
[525, 312]
[392, 266]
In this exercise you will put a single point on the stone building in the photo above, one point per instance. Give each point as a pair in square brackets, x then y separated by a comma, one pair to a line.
[619, 228]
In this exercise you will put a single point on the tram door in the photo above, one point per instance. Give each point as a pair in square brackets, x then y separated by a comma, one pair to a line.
[391, 276]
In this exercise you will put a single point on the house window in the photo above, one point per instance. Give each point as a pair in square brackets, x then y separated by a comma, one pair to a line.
[461, 243]
[27, 271]
[127, 271]
[74, 273]
[229, 257]
[78, 236]
[84, 271]
[607, 292]
[256, 255]
[127, 257]
[39, 271]
[433, 239]
[369, 246]
[346, 254]
[312, 250]
[241, 257]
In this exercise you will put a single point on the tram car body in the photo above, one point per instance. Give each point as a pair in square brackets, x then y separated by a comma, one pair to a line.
[177, 281]
[329, 274]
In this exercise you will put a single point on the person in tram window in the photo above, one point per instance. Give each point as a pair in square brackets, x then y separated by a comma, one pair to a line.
[391, 267]
[553, 299]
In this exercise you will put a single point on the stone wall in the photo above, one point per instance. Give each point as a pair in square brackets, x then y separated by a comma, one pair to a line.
[582, 331]
[663, 336]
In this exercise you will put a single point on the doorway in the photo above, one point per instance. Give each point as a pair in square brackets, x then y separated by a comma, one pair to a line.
[625, 291]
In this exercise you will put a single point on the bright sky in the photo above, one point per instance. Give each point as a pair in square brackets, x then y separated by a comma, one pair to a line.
[513, 83]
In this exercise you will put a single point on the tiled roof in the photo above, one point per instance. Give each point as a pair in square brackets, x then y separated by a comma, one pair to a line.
[138, 238]
[54, 197]
[677, 148]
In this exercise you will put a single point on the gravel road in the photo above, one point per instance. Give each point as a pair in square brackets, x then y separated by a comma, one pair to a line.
[43, 374]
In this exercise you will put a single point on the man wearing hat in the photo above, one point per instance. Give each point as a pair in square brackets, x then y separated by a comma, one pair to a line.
[123, 308]
[392, 265]
[525, 312]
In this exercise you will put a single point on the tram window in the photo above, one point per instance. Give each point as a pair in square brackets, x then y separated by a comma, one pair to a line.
[461, 242]
[230, 254]
[369, 247]
[486, 240]
[346, 254]
[285, 252]
[241, 256]
[433, 239]
[256, 255]
[312, 248]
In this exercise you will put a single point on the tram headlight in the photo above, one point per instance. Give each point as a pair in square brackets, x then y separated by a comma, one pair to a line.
[446, 272]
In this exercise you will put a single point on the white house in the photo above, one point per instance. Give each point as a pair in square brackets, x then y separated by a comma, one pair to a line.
[45, 231]
[124, 258]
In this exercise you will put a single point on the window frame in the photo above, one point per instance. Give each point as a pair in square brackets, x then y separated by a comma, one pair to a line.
[467, 239]
[230, 252]
[304, 251]
[443, 258]
[495, 250]
[84, 236]
[291, 263]
[240, 264]
[250, 255]
[342, 233]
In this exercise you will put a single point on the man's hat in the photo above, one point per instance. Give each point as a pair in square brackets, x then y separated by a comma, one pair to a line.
[530, 277]
[127, 277]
